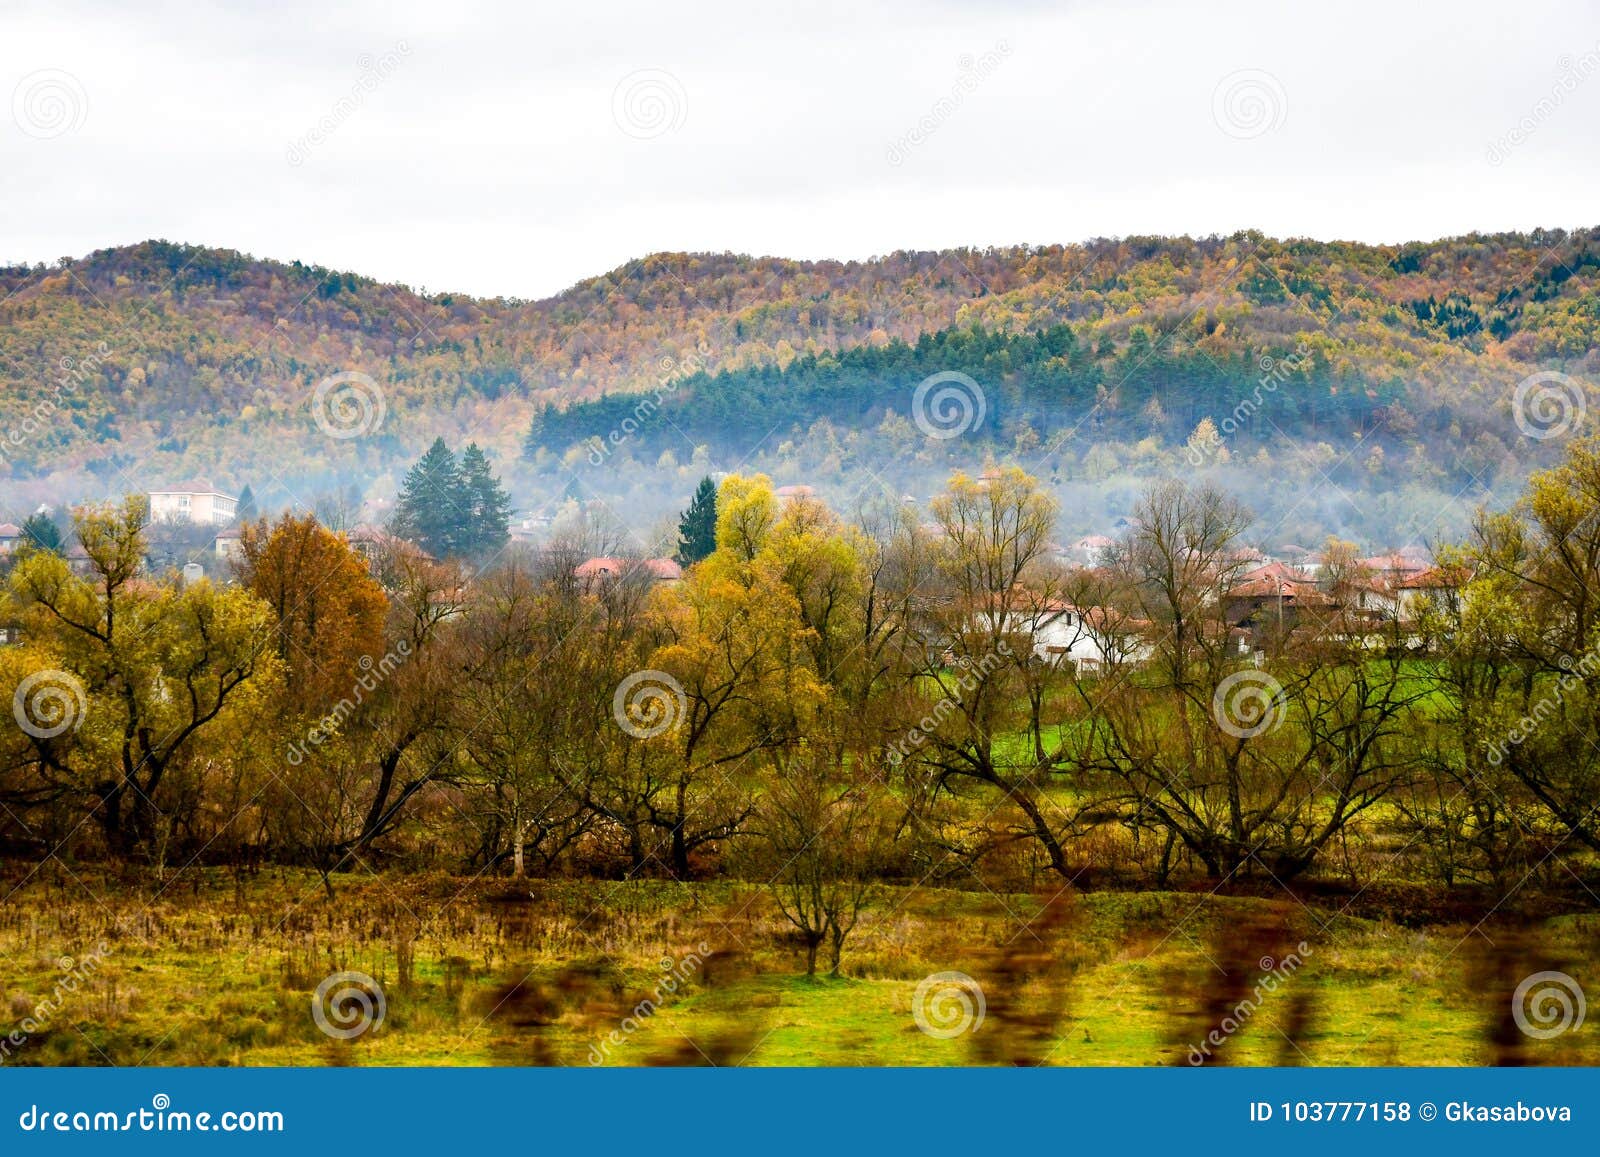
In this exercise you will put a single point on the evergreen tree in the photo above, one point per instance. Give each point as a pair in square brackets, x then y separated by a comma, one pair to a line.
[430, 511]
[485, 504]
[246, 511]
[40, 532]
[697, 529]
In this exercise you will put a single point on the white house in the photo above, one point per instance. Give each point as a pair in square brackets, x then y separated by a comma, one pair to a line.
[196, 501]
[1090, 638]
[1437, 586]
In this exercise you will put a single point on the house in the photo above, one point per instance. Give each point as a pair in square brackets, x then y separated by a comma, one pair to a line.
[607, 569]
[78, 560]
[1374, 600]
[1089, 550]
[1394, 569]
[599, 569]
[1274, 571]
[195, 501]
[794, 493]
[664, 570]
[376, 545]
[1273, 600]
[1089, 638]
[227, 544]
[1439, 586]
[10, 535]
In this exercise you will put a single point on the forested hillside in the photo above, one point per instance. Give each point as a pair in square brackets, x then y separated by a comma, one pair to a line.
[160, 360]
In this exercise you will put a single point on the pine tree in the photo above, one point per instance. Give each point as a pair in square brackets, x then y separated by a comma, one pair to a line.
[431, 509]
[40, 532]
[246, 511]
[697, 529]
[486, 505]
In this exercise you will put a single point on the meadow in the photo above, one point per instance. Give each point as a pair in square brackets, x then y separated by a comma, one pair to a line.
[212, 967]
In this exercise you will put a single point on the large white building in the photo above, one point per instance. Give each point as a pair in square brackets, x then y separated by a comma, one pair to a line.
[196, 501]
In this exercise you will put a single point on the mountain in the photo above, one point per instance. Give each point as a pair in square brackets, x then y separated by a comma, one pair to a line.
[157, 360]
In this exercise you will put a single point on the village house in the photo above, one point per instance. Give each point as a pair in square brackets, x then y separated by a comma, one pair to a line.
[610, 569]
[196, 501]
[10, 535]
[1274, 597]
[1089, 638]
[226, 544]
[1394, 569]
[1088, 550]
[1437, 586]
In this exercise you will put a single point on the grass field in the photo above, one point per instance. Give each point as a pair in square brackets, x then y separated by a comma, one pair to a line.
[207, 969]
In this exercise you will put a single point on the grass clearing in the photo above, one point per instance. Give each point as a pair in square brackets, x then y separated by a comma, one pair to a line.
[208, 969]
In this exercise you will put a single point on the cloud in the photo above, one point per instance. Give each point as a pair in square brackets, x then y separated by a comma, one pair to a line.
[492, 160]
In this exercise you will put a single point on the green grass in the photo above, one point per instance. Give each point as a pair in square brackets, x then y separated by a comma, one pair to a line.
[207, 971]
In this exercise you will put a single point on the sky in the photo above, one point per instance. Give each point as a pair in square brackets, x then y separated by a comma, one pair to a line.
[514, 149]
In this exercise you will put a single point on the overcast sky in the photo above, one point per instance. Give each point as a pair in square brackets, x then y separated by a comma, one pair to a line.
[515, 148]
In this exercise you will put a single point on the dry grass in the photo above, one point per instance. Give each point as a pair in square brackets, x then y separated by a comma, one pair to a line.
[208, 969]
